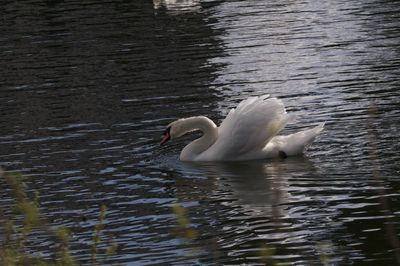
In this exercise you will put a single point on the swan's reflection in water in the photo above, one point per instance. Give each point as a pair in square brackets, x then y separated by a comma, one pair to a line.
[270, 201]
[258, 186]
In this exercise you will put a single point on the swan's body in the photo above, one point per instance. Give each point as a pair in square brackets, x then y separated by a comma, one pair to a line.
[249, 132]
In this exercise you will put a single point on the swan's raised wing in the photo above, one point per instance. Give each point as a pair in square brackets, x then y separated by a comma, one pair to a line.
[251, 126]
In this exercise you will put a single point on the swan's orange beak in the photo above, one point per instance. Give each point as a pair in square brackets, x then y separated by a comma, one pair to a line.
[166, 136]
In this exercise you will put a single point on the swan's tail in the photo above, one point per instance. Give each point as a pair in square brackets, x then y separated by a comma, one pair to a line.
[296, 143]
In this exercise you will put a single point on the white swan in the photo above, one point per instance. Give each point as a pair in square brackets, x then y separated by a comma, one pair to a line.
[247, 133]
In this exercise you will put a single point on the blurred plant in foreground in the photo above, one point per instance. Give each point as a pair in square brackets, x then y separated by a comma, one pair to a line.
[19, 221]
[185, 230]
[183, 226]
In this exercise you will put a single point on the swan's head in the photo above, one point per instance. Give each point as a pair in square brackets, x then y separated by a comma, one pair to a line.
[166, 136]
[184, 125]
[174, 130]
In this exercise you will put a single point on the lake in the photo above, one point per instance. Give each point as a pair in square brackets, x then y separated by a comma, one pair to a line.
[88, 87]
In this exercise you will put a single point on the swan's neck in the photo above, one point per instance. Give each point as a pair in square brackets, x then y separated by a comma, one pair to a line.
[198, 146]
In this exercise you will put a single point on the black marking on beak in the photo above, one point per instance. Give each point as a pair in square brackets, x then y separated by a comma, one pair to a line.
[166, 136]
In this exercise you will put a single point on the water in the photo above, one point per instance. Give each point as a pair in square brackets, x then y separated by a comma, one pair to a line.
[87, 89]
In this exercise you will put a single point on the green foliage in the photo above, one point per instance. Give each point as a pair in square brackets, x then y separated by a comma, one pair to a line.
[184, 228]
[64, 257]
[266, 255]
[17, 229]
[97, 230]
[26, 216]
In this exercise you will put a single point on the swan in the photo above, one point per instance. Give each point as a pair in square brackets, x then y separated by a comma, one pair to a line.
[249, 132]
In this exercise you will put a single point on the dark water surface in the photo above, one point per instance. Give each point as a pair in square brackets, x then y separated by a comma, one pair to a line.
[87, 87]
